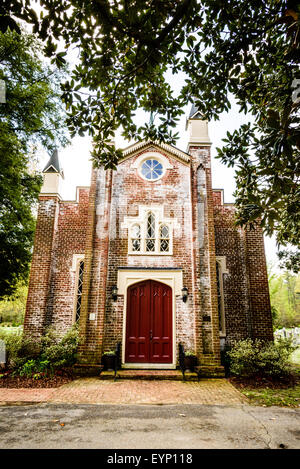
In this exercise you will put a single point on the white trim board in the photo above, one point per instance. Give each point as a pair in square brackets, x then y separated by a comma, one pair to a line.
[172, 278]
[148, 366]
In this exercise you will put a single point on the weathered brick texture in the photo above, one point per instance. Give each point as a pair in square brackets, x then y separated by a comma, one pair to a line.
[60, 233]
[41, 267]
[95, 226]
[246, 292]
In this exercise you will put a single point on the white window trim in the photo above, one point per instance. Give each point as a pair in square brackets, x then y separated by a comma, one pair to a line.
[152, 155]
[75, 261]
[128, 277]
[159, 238]
[77, 258]
[221, 260]
[141, 220]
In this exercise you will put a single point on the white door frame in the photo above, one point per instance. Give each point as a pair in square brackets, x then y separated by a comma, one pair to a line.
[172, 278]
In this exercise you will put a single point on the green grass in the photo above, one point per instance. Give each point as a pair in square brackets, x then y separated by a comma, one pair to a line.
[281, 396]
[273, 395]
[289, 397]
[10, 329]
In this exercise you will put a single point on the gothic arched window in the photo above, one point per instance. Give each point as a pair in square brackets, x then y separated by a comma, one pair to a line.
[79, 289]
[150, 233]
[164, 238]
[220, 292]
[136, 237]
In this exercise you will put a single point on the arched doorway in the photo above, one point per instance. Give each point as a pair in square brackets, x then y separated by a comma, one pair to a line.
[149, 323]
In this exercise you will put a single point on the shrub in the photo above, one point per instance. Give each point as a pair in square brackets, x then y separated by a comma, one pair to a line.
[189, 353]
[28, 368]
[250, 358]
[19, 349]
[27, 357]
[111, 353]
[59, 352]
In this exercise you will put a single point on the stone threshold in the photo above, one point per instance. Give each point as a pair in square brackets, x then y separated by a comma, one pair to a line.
[174, 375]
[127, 373]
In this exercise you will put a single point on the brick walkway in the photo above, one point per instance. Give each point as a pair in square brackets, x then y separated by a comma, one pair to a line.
[96, 391]
[10, 395]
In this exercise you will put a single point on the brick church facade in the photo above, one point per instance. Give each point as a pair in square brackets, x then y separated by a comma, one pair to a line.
[148, 256]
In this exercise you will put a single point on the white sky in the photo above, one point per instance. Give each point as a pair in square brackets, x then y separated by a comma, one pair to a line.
[75, 159]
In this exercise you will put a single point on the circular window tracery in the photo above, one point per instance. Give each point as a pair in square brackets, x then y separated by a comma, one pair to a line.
[152, 169]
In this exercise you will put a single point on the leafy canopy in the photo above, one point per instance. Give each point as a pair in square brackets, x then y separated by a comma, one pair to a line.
[247, 50]
[30, 116]
[284, 290]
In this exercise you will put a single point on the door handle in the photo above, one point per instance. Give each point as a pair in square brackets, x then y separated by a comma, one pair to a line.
[150, 335]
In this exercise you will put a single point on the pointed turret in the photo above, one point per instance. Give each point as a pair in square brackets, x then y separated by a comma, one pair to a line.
[53, 175]
[198, 128]
[53, 165]
[194, 113]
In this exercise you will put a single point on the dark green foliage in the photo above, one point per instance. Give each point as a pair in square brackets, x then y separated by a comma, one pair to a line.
[284, 291]
[290, 260]
[18, 193]
[59, 352]
[31, 116]
[26, 357]
[12, 310]
[110, 353]
[242, 50]
[19, 349]
[249, 358]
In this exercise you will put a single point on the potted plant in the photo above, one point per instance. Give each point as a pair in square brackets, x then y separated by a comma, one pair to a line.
[190, 360]
[108, 360]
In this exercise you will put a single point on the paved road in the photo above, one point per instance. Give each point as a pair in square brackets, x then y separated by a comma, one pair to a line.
[56, 426]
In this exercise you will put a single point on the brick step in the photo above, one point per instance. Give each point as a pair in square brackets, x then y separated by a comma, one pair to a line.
[87, 369]
[208, 371]
[174, 375]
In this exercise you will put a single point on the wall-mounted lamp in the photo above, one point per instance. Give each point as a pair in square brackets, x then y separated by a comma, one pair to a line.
[114, 292]
[184, 292]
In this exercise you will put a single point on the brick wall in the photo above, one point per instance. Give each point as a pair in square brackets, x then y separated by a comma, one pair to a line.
[41, 266]
[172, 192]
[205, 305]
[70, 239]
[60, 233]
[246, 292]
[95, 276]
[119, 194]
[94, 226]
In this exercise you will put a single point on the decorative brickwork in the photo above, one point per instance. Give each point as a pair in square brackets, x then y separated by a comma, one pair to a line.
[60, 233]
[246, 293]
[41, 267]
[200, 228]
[205, 289]
[129, 191]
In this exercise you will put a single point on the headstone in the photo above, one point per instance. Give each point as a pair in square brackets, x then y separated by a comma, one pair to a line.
[2, 92]
[2, 353]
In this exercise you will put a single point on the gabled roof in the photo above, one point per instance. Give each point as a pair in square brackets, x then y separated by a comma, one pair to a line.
[53, 165]
[195, 113]
[172, 151]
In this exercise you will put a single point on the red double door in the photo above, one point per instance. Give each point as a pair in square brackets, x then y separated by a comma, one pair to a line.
[149, 323]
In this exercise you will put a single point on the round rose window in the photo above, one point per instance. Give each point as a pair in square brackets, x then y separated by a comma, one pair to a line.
[152, 169]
